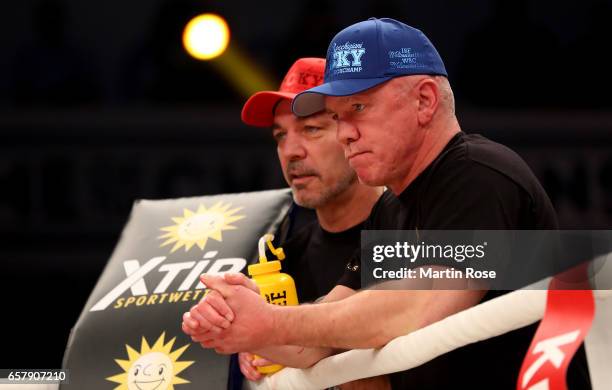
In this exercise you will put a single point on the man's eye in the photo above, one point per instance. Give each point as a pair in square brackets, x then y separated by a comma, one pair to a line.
[311, 129]
[279, 136]
[358, 107]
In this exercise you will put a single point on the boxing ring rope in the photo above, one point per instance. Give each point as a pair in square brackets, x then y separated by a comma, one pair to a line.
[489, 319]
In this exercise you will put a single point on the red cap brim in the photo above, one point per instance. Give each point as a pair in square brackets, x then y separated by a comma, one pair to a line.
[257, 111]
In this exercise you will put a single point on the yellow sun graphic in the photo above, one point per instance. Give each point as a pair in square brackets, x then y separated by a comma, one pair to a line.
[154, 368]
[195, 228]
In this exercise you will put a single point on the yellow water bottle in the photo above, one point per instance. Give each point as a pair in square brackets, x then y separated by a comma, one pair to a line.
[276, 287]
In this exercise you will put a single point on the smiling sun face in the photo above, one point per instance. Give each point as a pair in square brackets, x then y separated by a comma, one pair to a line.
[151, 371]
[195, 228]
[154, 368]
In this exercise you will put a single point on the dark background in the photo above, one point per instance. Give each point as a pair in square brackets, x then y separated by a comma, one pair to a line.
[100, 105]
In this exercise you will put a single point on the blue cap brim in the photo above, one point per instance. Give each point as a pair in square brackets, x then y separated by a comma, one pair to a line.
[313, 100]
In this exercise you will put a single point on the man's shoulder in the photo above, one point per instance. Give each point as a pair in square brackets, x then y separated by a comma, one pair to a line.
[475, 148]
[488, 175]
[495, 156]
[481, 156]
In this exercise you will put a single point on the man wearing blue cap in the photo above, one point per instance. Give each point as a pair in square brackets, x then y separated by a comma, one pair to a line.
[387, 88]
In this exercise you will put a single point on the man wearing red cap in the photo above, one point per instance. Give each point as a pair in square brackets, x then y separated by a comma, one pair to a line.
[320, 178]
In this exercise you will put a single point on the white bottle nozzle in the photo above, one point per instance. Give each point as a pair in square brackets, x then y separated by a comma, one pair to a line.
[267, 239]
[261, 246]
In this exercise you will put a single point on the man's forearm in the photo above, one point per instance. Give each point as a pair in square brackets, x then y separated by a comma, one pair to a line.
[294, 356]
[303, 357]
[298, 356]
[368, 319]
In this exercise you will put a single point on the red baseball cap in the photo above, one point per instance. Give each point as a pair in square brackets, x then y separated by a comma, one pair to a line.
[304, 74]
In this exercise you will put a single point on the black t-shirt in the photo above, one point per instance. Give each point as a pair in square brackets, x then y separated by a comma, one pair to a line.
[473, 184]
[316, 258]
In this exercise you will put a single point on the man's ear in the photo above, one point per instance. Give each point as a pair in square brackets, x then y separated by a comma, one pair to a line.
[428, 95]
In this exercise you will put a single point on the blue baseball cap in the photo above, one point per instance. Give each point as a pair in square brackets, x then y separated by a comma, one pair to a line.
[367, 54]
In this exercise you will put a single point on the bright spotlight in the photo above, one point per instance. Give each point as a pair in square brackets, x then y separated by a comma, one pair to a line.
[206, 36]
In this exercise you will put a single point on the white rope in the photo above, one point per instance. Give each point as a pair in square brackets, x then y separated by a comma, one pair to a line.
[489, 319]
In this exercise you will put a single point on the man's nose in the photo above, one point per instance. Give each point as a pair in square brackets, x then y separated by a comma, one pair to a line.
[347, 132]
[293, 149]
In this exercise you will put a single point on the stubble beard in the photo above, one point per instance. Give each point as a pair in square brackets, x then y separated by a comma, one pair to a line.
[327, 194]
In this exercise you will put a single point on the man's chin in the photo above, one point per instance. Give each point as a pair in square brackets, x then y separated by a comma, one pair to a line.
[303, 200]
[370, 180]
[364, 172]
[365, 177]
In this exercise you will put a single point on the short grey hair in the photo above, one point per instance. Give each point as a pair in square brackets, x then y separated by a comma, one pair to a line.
[446, 94]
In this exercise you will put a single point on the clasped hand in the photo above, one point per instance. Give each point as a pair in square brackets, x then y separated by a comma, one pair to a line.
[232, 317]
